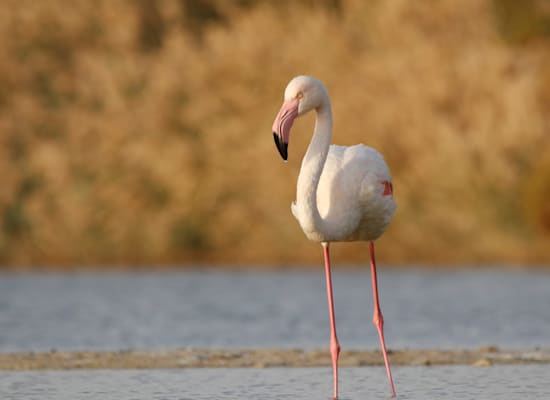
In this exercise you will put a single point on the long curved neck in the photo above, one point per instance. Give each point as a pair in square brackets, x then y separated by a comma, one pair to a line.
[312, 167]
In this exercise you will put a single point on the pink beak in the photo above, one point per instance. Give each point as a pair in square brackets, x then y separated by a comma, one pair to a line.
[282, 124]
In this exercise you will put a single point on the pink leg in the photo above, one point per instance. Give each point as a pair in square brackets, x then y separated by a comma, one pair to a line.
[377, 318]
[334, 344]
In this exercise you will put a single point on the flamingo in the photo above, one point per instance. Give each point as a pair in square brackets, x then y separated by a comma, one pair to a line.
[343, 193]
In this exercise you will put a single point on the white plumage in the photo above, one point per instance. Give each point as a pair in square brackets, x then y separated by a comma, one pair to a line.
[350, 196]
[343, 193]
[349, 202]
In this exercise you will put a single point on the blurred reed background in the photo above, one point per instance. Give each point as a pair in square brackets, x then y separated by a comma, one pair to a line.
[138, 132]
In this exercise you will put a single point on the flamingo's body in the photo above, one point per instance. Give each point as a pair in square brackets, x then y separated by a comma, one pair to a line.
[343, 193]
[350, 197]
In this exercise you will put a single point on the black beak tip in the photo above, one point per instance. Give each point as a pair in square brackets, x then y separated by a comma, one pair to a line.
[281, 146]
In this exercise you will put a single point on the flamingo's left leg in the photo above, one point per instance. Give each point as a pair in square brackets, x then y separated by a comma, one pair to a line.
[377, 317]
[334, 344]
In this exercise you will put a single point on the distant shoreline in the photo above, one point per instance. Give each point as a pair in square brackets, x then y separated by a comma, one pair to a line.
[71, 269]
[261, 358]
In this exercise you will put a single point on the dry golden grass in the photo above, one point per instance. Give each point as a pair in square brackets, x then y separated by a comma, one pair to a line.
[138, 132]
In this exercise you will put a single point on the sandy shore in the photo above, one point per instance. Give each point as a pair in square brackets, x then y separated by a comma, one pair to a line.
[261, 358]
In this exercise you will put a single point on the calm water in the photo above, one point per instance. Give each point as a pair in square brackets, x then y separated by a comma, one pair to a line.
[511, 382]
[422, 309]
[276, 309]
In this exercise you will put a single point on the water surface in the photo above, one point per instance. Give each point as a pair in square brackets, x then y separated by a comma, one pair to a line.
[464, 309]
[502, 382]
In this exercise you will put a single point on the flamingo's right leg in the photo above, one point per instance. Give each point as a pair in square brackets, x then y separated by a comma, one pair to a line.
[378, 319]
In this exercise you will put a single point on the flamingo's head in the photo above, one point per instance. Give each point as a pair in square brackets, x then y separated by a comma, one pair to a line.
[302, 94]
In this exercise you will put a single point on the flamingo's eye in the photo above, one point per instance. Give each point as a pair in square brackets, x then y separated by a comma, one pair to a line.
[299, 95]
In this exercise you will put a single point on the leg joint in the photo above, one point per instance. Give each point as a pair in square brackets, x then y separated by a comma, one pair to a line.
[378, 319]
